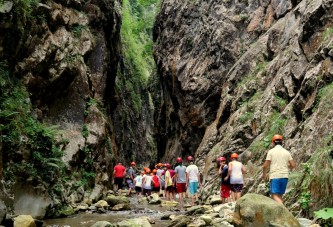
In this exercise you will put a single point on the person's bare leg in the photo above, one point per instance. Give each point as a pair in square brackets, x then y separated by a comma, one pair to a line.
[277, 198]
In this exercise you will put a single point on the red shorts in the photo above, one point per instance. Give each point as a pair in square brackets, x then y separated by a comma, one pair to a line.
[181, 187]
[225, 191]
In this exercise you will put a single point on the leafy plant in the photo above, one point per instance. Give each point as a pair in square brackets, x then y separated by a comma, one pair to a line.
[85, 131]
[326, 214]
[305, 200]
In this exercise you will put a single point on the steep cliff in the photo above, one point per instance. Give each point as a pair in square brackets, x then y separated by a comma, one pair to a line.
[72, 104]
[234, 73]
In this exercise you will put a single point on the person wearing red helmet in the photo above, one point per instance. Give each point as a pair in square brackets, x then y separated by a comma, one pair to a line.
[180, 178]
[235, 171]
[193, 180]
[225, 184]
[279, 161]
[168, 181]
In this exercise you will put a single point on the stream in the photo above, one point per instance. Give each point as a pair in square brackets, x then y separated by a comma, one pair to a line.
[85, 219]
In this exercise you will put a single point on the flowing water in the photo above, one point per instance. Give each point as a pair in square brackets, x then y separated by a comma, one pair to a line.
[86, 219]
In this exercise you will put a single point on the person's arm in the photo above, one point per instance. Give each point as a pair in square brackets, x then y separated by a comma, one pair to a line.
[292, 164]
[220, 169]
[243, 169]
[199, 183]
[264, 169]
[187, 179]
[229, 171]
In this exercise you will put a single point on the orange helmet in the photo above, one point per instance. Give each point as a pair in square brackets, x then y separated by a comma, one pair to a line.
[154, 170]
[277, 137]
[159, 164]
[133, 163]
[143, 172]
[147, 170]
[234, 155]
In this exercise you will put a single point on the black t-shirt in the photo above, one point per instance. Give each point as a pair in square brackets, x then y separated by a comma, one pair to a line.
[224, 174]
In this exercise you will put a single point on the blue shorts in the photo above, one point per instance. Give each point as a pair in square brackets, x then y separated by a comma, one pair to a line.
[278, 185]
[193, 187]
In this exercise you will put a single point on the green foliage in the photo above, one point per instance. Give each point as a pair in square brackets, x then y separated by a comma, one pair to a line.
[31, 147]
[325, 213]
[323, 98]
[305, 200]
[328, 33]
[77, 30]
[246, 116]
[85, 131]
[281, 102]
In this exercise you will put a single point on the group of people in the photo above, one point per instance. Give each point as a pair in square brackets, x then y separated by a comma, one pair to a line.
[169, 181]
[278, 160]
[162, 179]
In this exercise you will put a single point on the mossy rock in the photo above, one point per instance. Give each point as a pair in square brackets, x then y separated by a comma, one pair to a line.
[65, 211]
[113, 200]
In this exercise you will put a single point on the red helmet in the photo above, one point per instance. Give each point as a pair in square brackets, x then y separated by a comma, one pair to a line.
[190, 158]
[167, 165]
[277, 137]
[219, 159]
[234, 155]
[179, 160]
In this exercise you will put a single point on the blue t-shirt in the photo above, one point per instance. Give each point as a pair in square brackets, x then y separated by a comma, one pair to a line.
[224, 174]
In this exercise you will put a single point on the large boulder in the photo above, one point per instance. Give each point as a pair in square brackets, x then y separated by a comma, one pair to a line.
[114, 200]
[135, 222]
[24, 221]
[259, 210]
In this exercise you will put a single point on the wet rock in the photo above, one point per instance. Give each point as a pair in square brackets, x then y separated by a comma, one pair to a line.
[154, 199]
[6, 6]
[122, 206]
[197, 223]
[102, 224]
[258, 210]
[179, 221]
[81, 207]
[166, 203]
[143, 200]
[24, 221]
[195, 210]
[101, 204]
[135, 222]
[65, 211]
[212, 200]
[114, 200]
[220, 222]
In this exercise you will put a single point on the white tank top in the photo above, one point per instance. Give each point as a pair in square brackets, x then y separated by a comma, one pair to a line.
[236, 176]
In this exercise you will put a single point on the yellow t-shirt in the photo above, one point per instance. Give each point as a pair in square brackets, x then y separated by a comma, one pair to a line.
[279, 158]
[168, 180]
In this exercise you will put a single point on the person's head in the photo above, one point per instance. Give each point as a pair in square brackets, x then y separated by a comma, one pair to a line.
[133, 164]
[166, 166]
[143, 173]
[154, 171]
[179, 160]
[190, 159]
[159, 165]
[221, 160]
[277, 139]
[148, 171]
[120, 163]
[234, 156]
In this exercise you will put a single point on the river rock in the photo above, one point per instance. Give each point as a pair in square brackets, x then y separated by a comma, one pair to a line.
[121, 206]
[166, 203]
[195, 210]
[207, 219]
[65, 211]
[114, 200]
[154, 199]
[197, 223]
[221, 222]
[135, 222]
[24, 221]
[102, 224]
[143, 200]
[101, 204]
[212, 200]
[259, 210]
[304, 222]
[179, 221]
[81, 207]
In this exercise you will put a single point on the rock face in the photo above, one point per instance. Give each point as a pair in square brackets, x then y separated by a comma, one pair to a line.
[234, 73]
[258, 210]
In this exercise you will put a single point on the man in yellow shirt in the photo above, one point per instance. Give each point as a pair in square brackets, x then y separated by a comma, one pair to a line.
[279, 161]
